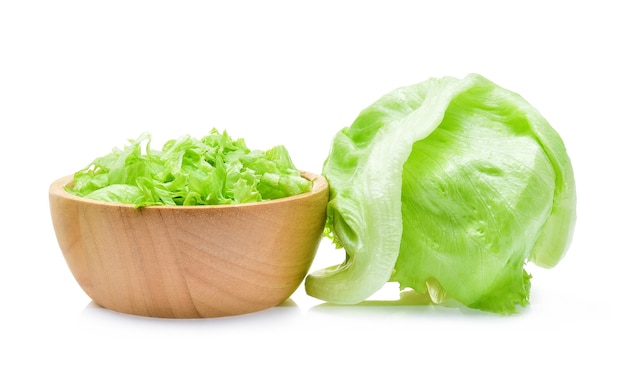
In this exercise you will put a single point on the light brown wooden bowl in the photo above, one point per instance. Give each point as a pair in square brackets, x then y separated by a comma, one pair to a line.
[189, 262]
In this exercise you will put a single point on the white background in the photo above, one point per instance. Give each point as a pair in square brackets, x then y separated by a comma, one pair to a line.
[78, 78]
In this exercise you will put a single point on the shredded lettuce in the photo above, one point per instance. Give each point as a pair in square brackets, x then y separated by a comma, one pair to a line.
[448, 187]
[215, 169]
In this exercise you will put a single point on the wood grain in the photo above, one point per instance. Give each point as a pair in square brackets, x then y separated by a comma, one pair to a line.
[189, 262]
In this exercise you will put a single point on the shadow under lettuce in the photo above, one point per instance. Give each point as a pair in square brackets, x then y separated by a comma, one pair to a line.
[409, 301]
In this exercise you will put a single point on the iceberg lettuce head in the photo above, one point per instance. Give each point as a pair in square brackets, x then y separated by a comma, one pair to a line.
[448, 187]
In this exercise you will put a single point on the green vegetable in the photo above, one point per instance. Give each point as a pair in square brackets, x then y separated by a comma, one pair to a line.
[448, 187]
[212, 170]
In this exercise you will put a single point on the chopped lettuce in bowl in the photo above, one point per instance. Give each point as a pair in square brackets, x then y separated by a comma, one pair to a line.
[213, 170]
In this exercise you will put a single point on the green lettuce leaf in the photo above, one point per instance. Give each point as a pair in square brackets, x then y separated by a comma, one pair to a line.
[448, 187]
[215, 169]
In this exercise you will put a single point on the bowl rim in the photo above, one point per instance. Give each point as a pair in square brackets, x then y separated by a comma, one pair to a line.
[320, 185]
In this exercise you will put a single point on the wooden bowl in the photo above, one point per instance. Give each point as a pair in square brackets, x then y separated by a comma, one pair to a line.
[189, 262]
